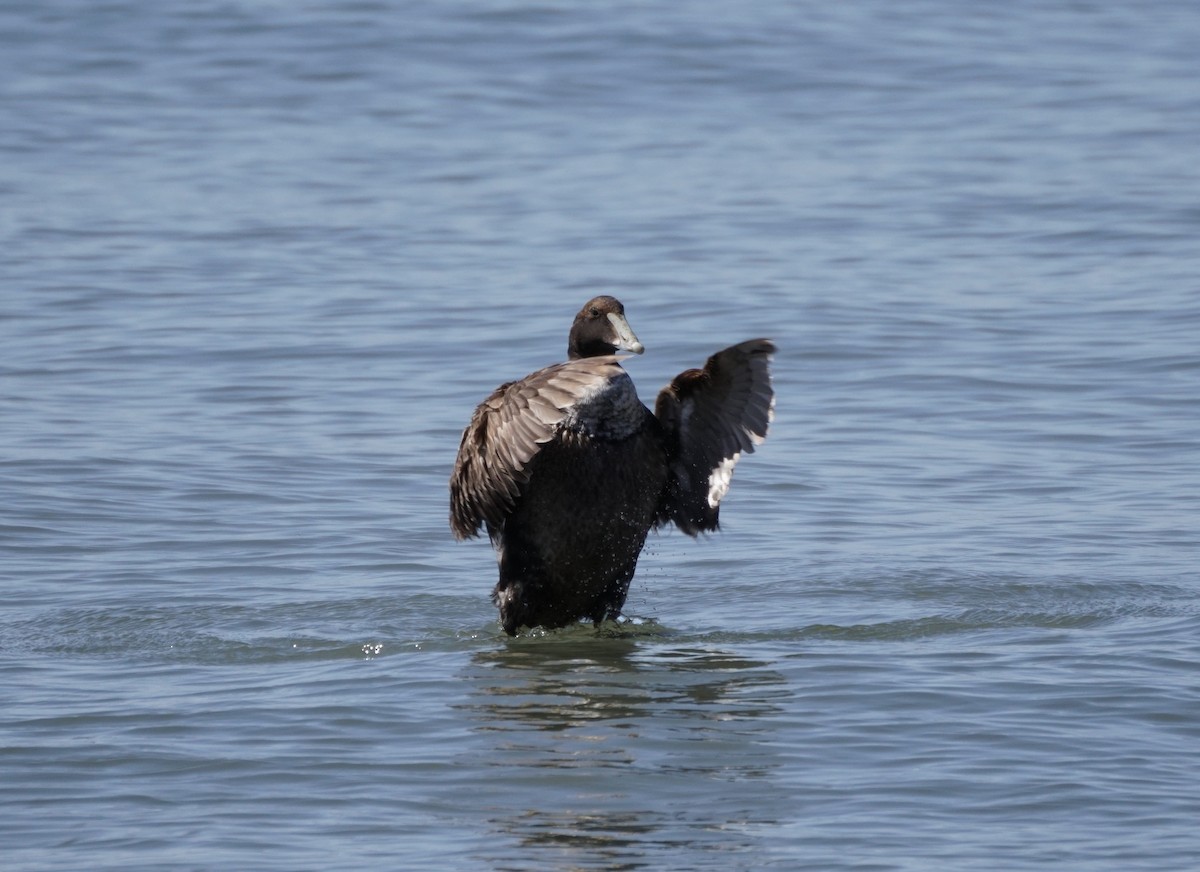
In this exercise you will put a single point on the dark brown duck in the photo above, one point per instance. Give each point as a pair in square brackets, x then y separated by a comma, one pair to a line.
[568, 470]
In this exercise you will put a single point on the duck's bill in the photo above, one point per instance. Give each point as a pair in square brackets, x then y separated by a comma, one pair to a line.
[626, 340]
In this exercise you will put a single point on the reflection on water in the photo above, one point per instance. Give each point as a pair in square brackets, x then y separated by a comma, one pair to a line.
[609, 743]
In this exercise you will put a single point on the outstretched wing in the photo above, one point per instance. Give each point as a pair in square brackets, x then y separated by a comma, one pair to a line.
[709, 417]
[507, 431]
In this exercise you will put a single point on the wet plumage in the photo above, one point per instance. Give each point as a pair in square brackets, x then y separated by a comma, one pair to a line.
[568, 471]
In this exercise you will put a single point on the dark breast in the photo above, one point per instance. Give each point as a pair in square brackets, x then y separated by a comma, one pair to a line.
[582, 519]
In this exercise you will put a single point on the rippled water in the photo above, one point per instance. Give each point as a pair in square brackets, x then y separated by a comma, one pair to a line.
[259, 262]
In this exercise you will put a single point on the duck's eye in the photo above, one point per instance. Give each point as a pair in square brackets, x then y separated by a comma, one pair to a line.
[593, 312]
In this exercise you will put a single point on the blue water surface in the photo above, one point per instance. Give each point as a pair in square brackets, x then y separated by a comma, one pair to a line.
[259, 262]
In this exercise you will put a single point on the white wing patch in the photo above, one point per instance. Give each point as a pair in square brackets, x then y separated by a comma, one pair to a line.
[719, 479]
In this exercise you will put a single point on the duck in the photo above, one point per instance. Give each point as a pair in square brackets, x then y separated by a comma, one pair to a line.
[568, 471]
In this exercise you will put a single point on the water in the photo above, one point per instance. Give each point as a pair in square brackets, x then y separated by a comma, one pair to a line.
[259, 261]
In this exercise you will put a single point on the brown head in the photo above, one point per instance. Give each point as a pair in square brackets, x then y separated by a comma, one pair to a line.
[601, 328]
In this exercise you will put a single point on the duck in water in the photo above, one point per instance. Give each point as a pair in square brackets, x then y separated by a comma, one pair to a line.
[568, 470]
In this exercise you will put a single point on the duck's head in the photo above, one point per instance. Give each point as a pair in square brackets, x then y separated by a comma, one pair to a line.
[601, 328]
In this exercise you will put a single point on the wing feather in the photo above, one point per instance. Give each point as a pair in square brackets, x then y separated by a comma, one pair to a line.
[506, 432]
[710, 417]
